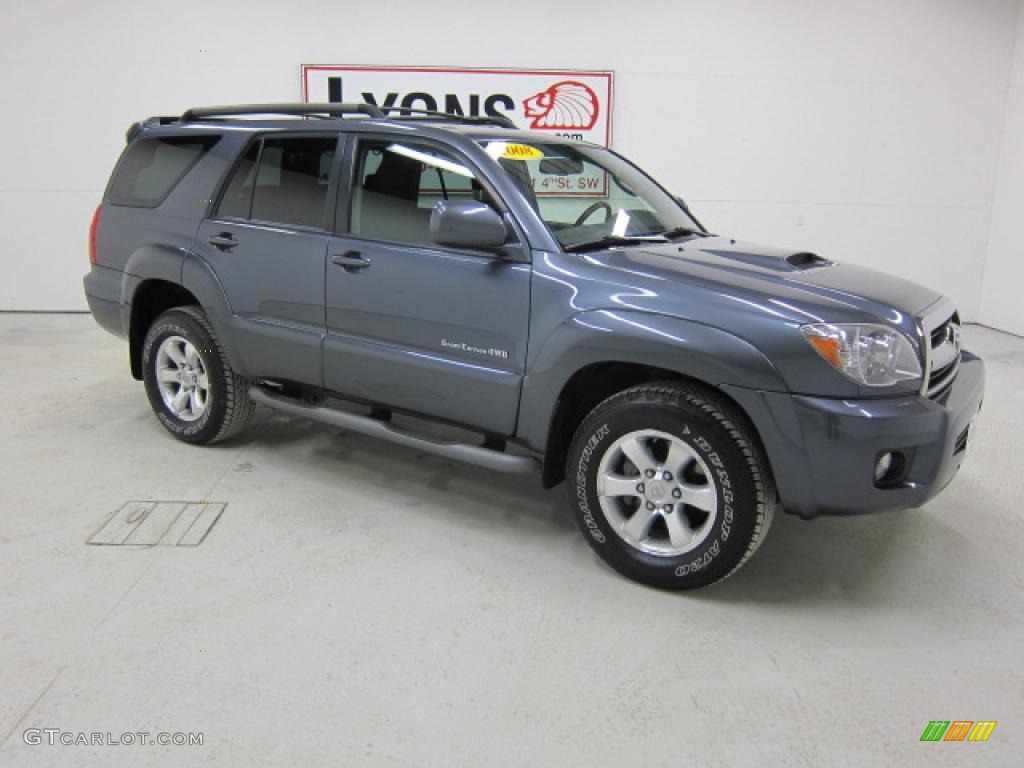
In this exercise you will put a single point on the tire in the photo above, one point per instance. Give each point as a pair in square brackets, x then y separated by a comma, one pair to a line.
[182, 341]
[712, 493]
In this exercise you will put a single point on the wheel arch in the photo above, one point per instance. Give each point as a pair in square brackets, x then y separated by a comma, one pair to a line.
[159, 285]
[593, 384]
[582, 364]
[151, 298]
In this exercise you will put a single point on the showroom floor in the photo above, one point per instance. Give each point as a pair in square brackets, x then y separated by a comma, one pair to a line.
[359, 603]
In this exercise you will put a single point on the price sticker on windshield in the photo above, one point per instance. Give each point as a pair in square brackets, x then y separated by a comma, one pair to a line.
[521, 152]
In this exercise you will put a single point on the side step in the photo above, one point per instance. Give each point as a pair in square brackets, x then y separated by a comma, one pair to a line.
[473, 454]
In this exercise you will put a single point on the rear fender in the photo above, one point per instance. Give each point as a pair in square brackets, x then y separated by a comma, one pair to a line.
[150, 262]
[198, 277]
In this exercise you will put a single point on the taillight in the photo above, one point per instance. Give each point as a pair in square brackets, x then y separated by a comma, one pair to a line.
[92, 233]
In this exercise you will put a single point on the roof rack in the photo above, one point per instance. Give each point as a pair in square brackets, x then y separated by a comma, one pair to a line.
[499, 120]
[332, 109]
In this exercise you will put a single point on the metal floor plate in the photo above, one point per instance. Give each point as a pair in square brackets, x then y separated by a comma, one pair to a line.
[166, 523]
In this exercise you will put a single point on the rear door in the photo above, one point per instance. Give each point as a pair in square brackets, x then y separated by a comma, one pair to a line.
[410, 324]
[267, 243]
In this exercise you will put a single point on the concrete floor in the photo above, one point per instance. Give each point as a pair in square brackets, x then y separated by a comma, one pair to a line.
[360, 603]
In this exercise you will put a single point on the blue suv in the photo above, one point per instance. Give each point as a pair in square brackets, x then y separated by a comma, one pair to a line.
[544, 294]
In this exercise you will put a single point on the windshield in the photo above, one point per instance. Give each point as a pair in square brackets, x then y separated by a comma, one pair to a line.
[589, 196]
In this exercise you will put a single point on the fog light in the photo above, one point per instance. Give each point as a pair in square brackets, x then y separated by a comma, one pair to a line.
[882, 466]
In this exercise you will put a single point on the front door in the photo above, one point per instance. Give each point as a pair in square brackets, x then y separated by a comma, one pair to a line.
[412, 325]
[267, 243]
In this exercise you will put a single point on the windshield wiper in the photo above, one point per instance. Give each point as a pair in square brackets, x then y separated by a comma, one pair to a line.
[675, 232]
[609, 240]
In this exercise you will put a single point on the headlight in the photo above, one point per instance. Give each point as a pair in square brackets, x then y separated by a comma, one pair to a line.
[872, 355]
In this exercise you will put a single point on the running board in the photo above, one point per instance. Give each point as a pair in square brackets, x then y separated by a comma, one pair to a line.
[473, 454]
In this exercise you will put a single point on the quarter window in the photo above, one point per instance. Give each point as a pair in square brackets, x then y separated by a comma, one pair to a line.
[151, 168]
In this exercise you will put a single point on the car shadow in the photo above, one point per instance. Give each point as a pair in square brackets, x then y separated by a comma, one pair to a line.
[459, 488]
[886, 560]
[837, 561]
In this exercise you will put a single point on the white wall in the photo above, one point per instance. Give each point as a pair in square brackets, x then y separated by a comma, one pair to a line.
[867, 131]
[1002, 292]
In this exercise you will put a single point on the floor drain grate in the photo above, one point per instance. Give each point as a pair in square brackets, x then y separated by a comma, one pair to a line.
[167, 523]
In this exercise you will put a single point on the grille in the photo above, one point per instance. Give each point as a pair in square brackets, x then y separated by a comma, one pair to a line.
[941, 328]
[961, 441]
[939, 334]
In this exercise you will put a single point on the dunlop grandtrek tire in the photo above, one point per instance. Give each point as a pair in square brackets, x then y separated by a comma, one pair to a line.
[191, 388]
[669, 485]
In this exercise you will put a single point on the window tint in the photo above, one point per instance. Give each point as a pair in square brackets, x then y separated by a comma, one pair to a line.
[291, 183]
[397, 186]
[150, 168]
[234, 203]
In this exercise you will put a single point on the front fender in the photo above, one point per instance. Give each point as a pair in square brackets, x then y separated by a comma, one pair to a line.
[702, 352]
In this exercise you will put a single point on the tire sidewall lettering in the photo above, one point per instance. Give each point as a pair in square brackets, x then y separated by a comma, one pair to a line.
[582, 495]
[699, 562]
[593, 520]
[724, 487]
[712, 546]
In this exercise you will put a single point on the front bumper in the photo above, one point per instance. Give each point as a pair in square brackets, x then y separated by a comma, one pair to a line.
[823, 450]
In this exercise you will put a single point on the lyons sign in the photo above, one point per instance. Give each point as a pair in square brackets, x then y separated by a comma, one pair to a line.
[569, 103]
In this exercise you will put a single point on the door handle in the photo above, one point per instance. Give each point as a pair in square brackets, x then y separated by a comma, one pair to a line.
[225, 241]
[350, 261]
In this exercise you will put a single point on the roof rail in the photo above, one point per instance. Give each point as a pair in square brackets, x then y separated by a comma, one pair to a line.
[499, 120]
[333, 109]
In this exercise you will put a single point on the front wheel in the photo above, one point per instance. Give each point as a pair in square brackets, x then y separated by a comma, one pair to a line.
[191, 388]
[669, 485]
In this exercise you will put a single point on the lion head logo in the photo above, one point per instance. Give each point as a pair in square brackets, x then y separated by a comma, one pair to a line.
[568, 104]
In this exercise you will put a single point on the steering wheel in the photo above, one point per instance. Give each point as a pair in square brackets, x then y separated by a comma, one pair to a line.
[592, 209]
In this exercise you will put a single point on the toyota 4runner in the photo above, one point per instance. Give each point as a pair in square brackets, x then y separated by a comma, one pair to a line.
[546, 295]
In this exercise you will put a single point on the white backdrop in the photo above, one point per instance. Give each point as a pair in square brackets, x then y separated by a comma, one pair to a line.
[867, 131]
[1002, 296]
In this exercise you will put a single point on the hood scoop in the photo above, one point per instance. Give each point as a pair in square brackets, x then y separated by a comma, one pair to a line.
[763, 257]
[807, 260]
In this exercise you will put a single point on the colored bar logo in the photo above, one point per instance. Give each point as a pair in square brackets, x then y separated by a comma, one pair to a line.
[958, 730]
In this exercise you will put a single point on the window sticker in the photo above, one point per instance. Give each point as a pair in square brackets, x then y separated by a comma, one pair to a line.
[521, 152]
[507, 150]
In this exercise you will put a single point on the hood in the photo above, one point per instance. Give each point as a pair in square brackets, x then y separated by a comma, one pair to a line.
[802, 286]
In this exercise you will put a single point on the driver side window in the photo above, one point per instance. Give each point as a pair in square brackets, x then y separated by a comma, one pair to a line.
[397, 185]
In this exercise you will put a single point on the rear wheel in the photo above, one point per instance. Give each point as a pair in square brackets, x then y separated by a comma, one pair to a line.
[670, 486]
[191, 388]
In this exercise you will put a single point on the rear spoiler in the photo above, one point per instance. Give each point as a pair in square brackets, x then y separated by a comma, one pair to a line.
[136, 128]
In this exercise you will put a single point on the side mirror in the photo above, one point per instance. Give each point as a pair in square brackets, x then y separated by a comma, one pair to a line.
[467, 224]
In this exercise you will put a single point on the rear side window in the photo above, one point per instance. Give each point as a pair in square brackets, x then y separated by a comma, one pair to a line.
[281, 180]
[151, 168]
